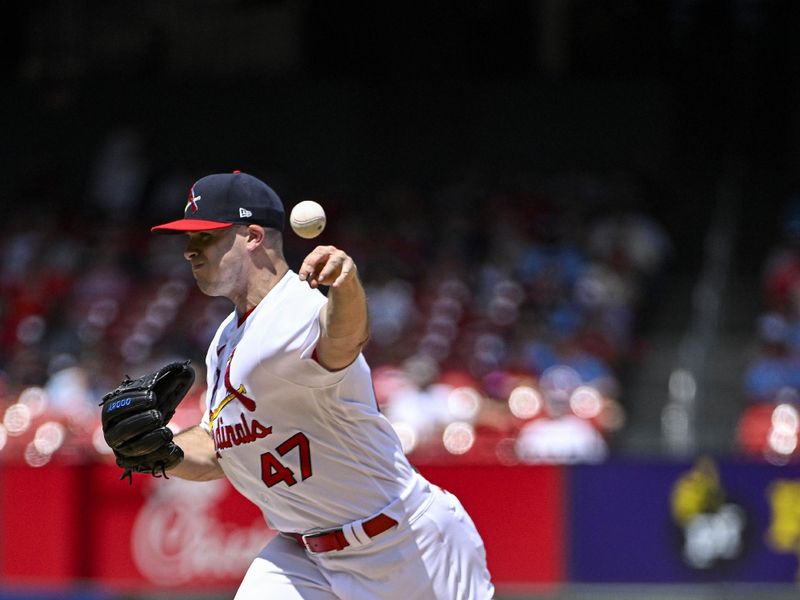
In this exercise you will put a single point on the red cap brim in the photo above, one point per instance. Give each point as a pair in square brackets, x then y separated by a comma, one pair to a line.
[182, 225]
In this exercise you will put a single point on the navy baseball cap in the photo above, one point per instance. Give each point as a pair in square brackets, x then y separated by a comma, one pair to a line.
[220, 200]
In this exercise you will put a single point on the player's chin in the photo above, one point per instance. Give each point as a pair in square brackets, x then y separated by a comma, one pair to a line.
[210, 288]
[203, 284]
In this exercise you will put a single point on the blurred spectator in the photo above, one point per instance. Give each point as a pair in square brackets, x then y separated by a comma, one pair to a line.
[68, 388]
[774, 367]
[564, 348]
[629, 242]
[119, 175]
[782, 268]
[391, 310]
[558, 435]
[418, 410]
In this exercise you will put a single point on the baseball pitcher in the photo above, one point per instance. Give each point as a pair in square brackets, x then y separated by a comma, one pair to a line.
[293, 424]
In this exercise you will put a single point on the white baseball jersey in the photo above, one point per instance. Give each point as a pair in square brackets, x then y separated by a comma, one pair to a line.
[306, 445]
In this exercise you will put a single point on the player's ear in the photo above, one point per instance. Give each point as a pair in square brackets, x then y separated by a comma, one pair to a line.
[255, 236]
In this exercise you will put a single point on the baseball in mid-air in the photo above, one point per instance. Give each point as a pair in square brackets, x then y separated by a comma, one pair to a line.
[307, 219]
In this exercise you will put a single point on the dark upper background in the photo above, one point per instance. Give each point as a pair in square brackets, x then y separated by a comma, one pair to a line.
[349, 104]
[320, 96]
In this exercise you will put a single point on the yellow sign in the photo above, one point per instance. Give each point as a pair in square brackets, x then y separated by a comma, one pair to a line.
[784, 528]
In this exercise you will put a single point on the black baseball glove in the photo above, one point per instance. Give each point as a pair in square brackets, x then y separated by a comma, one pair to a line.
[135, 417]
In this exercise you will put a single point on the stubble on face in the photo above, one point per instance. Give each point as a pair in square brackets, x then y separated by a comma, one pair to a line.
[217, 264]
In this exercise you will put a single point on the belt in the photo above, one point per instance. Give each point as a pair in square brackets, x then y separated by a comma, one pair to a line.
[334, 539]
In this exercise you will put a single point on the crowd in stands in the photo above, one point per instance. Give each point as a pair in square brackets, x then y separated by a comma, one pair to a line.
[502, 312]
[770, 423]
[511, 339]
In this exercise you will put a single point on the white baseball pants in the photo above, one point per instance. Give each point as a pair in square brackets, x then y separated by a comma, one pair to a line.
[436, 554]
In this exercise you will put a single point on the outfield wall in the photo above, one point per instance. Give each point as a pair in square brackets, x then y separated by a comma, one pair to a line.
[618, 522]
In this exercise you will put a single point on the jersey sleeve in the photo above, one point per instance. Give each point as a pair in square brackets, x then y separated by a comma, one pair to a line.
[317, 374]
[301, 366]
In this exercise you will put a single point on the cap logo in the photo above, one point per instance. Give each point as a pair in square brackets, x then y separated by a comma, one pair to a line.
[192, 202]
[244, 213]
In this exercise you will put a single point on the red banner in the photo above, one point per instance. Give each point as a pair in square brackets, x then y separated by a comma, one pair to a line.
[40, 523]
[172, 533]
[519, 512]
[61, 524]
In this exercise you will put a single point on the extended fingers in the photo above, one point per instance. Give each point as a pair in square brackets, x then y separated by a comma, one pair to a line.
[325, 264]
[314, 263]
[333, 267]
